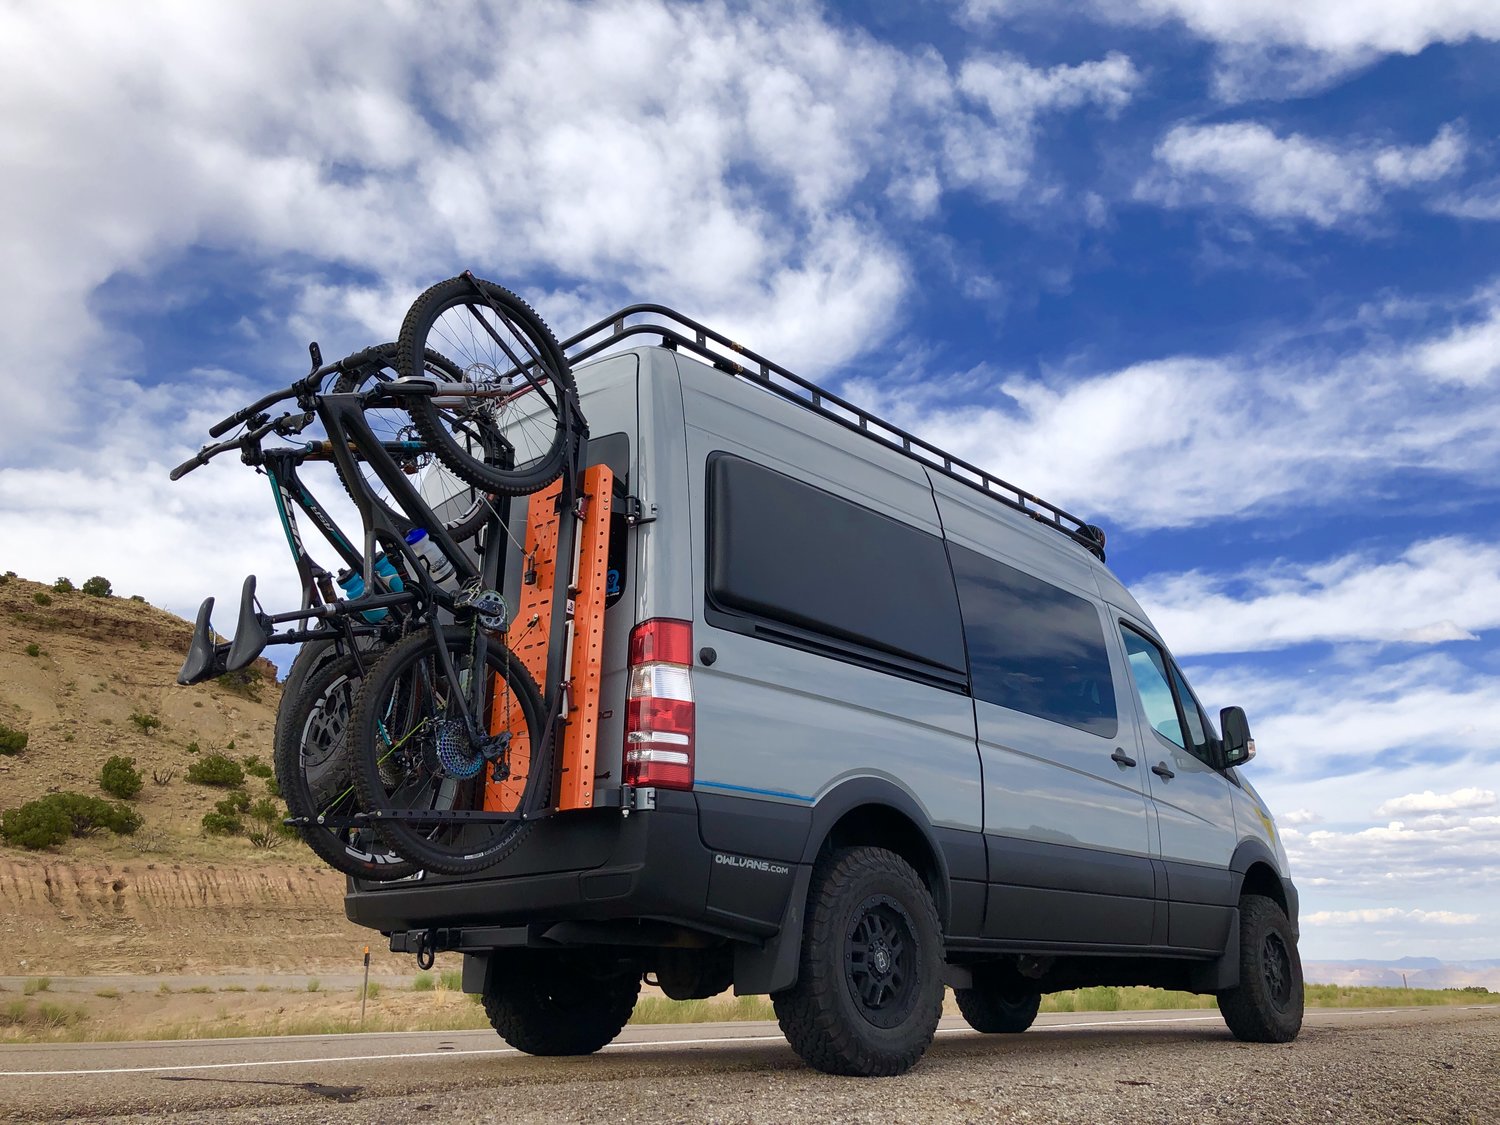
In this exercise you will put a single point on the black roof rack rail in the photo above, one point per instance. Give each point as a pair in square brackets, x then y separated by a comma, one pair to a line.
[788, 385]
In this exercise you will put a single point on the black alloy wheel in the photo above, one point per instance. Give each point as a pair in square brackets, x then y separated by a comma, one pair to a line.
[879, 961]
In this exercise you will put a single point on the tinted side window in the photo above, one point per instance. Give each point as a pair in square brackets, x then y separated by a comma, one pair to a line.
[1034, 647]
[1166, 698]
[1149, 667]
[781, 551]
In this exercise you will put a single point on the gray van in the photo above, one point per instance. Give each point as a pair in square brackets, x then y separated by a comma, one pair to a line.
[874, 722]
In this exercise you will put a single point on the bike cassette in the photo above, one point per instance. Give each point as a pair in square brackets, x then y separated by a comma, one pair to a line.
[453, 750]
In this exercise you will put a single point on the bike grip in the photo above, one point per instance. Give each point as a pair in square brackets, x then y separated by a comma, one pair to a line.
[188, 466]
[219, 428]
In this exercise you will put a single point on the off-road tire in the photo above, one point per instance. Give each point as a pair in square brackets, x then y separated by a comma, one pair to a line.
[997, 1006]
[860, 898]
[1266, 1007]
[558, 1006]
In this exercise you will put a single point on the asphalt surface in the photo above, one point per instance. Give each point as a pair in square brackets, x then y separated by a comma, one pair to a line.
[1418, 1065]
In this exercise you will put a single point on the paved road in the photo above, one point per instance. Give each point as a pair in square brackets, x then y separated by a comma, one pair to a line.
[1401, 1065]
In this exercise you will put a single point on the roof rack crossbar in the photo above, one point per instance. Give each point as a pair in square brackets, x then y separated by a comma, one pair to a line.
[788, 385]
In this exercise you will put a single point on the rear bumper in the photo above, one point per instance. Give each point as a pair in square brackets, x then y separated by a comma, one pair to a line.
[594, 877]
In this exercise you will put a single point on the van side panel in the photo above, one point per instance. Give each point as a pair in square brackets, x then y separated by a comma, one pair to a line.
[786, 724]
[1066, 824]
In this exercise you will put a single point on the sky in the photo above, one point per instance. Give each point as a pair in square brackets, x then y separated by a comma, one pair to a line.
[1219, 275]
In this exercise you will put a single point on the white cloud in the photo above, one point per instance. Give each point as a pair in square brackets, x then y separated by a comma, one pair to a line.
[715, 157]
[1435, 591]
[1480, 201]
[727, 159]
[1273, 48]
[1181, 440]
[1331, 718]
[1429, 802]
[1389, 914]
[1294, 178]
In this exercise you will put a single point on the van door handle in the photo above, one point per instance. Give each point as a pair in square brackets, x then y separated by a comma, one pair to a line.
[1120, 756]
[1161, 770]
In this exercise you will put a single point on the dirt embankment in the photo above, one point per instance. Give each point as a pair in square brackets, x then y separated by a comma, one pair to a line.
[86, 678]
[79, 918]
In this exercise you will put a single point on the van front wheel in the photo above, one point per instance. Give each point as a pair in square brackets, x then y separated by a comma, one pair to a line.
[869, 989]
[1267, 1005]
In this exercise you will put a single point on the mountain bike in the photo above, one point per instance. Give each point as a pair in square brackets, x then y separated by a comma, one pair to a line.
[448, 713]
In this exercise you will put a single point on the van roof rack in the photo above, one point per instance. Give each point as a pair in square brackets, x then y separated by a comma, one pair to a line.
[612, 330]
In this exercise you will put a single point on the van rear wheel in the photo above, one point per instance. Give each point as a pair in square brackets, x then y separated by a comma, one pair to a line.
[560, 1005]
[869, 989]
[998, 1003]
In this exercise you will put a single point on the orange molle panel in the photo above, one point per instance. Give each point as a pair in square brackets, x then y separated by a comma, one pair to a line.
[531, 627]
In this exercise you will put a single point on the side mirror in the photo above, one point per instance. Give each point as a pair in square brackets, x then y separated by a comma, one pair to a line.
[1239, 747]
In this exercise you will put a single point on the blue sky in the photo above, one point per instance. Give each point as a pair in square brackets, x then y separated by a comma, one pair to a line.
[1220, 275]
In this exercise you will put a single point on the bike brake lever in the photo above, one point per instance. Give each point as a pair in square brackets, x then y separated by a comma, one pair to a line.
[289, 424]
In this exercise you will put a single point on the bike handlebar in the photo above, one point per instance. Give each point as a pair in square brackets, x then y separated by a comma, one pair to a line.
[209, 452]
[252, 410]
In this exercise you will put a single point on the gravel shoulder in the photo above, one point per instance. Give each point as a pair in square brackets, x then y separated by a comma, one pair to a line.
[1411, 1065]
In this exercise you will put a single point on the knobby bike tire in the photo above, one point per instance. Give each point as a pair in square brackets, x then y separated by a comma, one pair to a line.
[531, 381]
[378, 364]
[315, 772]
[412, 754]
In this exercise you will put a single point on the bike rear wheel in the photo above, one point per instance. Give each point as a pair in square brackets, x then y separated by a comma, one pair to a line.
[413, 753]
[315, 773]
[506, 353]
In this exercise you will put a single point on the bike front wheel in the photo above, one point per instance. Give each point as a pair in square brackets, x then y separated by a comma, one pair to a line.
[517, 379]
[414, 755]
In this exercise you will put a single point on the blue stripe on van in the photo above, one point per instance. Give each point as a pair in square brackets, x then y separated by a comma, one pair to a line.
[752, 789]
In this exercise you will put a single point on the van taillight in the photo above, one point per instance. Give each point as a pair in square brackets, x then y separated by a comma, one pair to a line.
[659, 705]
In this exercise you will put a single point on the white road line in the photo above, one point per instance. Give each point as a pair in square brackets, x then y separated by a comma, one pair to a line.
[454, 1053]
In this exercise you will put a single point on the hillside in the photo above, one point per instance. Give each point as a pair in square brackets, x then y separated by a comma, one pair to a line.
[84, 677]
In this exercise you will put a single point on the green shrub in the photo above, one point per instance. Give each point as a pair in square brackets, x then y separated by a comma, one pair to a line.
[47, 822]
[236, 801]
[259, 769]
[219, 824]
[273, 787]
[12, 741]
[33, 649]
[246, 682]
[216, 769]
[98, 587]
[137, 598]
[423, 982]
[147, 722]
[4, 579]
[193, 748]
[63, 586]
[89, 814]
[41, 598]
[36, 825]
[120, 778]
